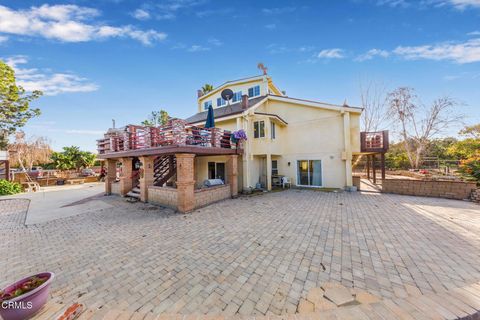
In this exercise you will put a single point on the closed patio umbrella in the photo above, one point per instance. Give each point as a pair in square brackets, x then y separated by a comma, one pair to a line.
[210, 123]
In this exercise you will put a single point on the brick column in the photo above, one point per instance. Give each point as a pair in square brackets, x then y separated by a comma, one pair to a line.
[146, 177]
[232, 174]
[185, 182]
[111, 175]
[126, 176]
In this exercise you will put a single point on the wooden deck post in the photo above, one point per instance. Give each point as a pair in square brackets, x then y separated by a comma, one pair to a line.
[146, 176]
[382, 157]
[368, 167]
[232, 174]
[185, 182]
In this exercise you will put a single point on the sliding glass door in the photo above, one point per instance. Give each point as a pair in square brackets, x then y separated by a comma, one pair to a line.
[309, 173]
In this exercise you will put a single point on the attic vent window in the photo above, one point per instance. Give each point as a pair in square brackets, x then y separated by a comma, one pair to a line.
[254, 91]
[207, 104]
[237, 96]
[221, 102]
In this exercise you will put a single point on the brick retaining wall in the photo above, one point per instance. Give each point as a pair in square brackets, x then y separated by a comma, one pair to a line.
[441, 189]
[476, 195]
[164, 196]
[206, 196]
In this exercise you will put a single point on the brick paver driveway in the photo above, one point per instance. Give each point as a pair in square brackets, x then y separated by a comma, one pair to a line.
[252, 255]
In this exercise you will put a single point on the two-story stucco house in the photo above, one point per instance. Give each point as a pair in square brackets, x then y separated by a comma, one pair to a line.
[309, 142]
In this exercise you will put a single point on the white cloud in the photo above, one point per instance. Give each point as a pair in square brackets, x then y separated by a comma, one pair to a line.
[458, 4]
[393, 3]
[466, 52]
[372, 53]
[335, 53]
[141, 14]
[474, 33]
[197, 48]
[271, 26]
[461, 4]
[50, 83]
[68, 23]
[275, 11]
[167, 10]
[3, 39]
[215, 42]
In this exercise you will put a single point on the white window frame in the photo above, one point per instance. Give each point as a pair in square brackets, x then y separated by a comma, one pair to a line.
[264, 129]
[296, 173]
[206, 104]
[273, 130]
[239, 94]
[253, 91]
[223, 102]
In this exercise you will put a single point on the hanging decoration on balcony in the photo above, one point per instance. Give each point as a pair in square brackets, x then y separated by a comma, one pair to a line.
[238, 136]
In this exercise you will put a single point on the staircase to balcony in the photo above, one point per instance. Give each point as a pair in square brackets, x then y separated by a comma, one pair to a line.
[164, 168]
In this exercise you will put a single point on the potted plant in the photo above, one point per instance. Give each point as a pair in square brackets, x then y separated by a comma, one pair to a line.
[21, 300]
[237, 137]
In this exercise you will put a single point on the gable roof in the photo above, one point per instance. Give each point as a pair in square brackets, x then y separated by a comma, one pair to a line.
[225, 111]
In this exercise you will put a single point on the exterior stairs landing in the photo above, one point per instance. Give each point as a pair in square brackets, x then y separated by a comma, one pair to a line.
[133, 195]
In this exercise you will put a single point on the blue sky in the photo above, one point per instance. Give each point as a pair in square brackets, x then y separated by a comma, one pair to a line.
[119, 59]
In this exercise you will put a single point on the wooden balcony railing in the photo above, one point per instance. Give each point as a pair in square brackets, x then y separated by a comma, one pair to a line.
[374, 141]
[176, 133]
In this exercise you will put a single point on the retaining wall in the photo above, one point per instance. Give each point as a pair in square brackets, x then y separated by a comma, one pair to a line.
[164, 196]
[206, 196]
[475, 197]
[441, 189]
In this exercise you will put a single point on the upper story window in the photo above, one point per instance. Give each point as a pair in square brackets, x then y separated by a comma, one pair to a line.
[254, 91]
[207, 104]
[237, 96]
[259, 129]
[221, 102]
[273, 130]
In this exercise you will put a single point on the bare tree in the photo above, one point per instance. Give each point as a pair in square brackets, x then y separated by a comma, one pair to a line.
[28, 152]
[416, 123]
[375, 106]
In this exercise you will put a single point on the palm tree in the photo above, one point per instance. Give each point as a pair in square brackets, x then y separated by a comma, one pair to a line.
[207, 88]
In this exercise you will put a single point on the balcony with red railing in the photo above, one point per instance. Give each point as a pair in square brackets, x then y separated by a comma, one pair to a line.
[175, 134]
[374, 141]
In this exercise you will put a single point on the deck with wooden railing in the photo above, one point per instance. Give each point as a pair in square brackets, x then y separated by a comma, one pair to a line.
[376, 142]
[176, 133]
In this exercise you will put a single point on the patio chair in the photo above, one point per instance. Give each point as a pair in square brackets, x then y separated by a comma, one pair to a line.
[286, 181]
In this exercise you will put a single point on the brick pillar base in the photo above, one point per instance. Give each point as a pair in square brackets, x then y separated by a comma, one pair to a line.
[232, 174]
[146, 177]
[185, 182]
[126, 176]
[111, 175]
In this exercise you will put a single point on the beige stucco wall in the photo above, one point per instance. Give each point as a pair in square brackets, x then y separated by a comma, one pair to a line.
[201, 169]
[311, 133]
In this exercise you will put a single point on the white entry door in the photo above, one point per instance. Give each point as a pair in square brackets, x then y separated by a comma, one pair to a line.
[309, 173]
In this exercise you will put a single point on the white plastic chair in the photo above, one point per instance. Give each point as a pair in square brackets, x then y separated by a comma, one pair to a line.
[286, 181]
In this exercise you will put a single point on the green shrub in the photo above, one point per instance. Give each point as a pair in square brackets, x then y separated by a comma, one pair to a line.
[7, 187]
[471, 167]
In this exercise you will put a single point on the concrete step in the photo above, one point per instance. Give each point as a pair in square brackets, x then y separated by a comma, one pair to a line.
[132, 194]
[136, 190]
